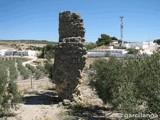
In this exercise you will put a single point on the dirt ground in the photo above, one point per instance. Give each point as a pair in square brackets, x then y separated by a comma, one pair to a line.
[41, 105]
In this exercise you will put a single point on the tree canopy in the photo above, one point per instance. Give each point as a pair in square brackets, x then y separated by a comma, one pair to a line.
[104, 40]
[48, 51]
[90, 46]
[157, 41]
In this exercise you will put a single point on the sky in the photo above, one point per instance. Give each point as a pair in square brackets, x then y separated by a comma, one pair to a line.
[38, 19]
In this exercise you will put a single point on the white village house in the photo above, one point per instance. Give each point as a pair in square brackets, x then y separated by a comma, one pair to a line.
[106, 52]
[6, 52]
[2, 52]
[139, 45]
[144, 47]
[147, 47]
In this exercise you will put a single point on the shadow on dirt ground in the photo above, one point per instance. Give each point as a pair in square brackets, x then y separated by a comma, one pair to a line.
[43, 97]
[90, 112]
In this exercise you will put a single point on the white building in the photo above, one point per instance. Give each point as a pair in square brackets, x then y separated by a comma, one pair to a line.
[136, 45]
[2, 52]
[114, 42]
[111, 51]
[139, 45]
[147, 52]
[5, 52]
[106, 52]
[32, 53]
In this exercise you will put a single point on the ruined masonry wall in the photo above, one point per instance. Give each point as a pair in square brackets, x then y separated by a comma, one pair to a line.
[70, 25]
[69, 54]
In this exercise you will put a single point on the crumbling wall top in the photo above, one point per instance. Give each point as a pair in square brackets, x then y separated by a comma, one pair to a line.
[70, 25]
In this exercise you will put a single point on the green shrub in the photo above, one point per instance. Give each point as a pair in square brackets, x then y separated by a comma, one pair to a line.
[23, 71]
[90, 46]
[49, 67]
[9, 94]
[31, 68]
[13, 90]
[3, 97]
[133, 51]
[42, 68]
[128, 84]
[38, 74]
[12, 70]
[47, 51]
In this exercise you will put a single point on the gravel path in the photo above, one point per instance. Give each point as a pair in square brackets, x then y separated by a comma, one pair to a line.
[29, 61]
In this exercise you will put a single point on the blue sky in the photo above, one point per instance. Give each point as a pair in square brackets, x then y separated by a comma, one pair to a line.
[38, 19]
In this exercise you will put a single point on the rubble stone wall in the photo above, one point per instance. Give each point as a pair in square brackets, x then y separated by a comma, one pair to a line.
[70, 25]
[69, 54]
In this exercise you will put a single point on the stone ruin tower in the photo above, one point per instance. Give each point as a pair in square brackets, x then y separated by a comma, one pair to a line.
[69, 54]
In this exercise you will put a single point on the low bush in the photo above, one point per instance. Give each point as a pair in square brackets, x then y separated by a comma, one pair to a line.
[9, 94]
[31, 68]
[35, 72]
[38, 74]
[23, 71]
[133, 51]
[42, 68]
[49, 67]
[90, 46]
[129, 85]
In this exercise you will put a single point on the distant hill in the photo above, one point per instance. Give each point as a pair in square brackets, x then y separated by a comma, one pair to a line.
[24, 44]
[28, 41]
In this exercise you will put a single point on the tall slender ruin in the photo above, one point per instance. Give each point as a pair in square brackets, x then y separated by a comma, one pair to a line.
[69, 54]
